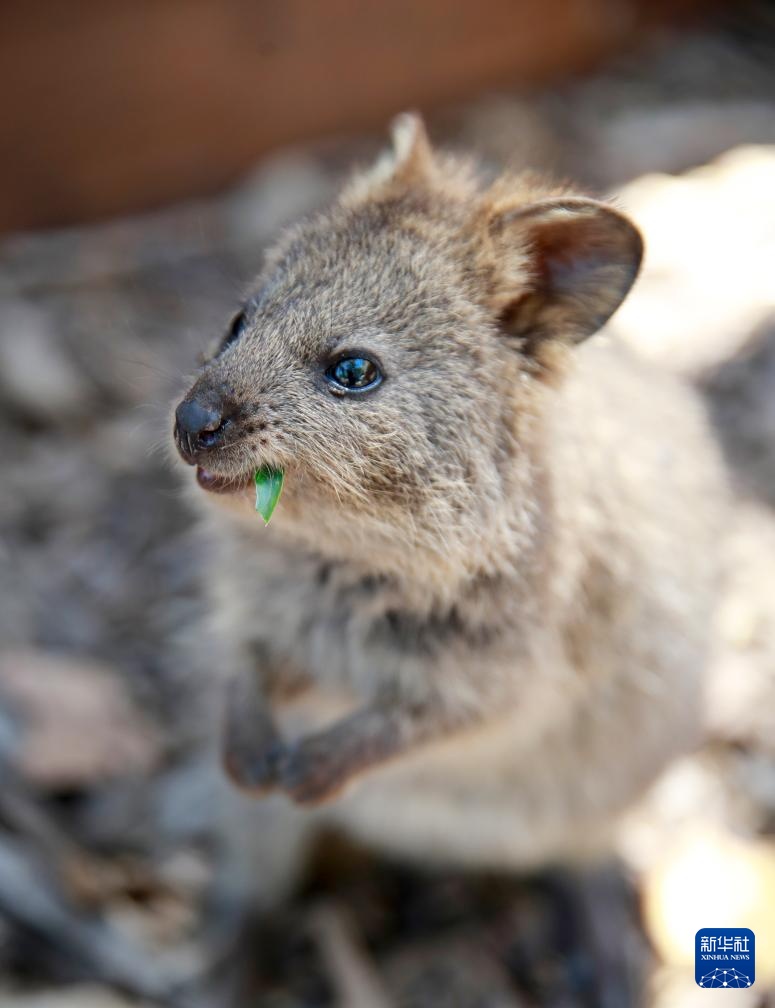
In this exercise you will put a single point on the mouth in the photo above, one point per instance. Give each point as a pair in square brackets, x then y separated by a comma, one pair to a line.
[222, 484]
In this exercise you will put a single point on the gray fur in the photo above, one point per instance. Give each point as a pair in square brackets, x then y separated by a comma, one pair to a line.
[486, 594]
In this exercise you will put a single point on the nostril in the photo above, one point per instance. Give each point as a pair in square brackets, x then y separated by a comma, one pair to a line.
[199, 426]
[208, 437]
[194, 417]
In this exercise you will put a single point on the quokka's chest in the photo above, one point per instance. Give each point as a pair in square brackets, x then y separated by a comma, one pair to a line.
[343, 628]
[331, 622]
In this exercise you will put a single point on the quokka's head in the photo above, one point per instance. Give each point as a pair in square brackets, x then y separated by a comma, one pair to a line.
[385, 354]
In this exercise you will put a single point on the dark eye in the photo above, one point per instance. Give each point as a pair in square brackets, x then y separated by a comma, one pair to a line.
[353, 374]
[236, 329]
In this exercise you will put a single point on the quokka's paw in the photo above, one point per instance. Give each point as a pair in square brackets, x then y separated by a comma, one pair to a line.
[254, 770]
[314, 771]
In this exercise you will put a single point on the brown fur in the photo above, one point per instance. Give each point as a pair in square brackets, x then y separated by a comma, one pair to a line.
[495, 573]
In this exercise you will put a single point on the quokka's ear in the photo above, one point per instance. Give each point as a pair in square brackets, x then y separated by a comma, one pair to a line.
[564, 266]
[408, 162]
[412, 157]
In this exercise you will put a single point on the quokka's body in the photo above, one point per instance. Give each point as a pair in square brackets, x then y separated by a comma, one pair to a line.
[487, 591]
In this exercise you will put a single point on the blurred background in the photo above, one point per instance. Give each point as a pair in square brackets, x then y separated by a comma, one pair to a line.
[148, 151]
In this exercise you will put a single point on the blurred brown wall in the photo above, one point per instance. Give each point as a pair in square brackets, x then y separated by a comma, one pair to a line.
[109, 106]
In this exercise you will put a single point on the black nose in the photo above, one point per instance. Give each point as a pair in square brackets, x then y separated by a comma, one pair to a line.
[199, 426]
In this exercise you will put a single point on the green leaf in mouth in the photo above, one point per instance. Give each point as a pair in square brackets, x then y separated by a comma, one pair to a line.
[269, 486]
